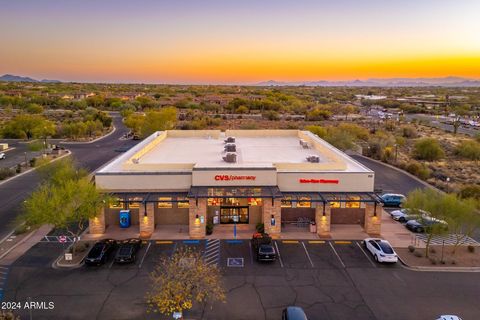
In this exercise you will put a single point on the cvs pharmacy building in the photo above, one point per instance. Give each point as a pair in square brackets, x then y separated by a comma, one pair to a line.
[276, 177]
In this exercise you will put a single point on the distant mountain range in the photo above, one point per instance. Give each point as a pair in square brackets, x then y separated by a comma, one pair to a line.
[13, 78]
[389, 82]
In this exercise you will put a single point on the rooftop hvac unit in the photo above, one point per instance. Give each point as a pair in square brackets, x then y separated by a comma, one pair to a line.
[313, 159]
[230, 158]
[230, 140]
[230, 147]
[304, 144]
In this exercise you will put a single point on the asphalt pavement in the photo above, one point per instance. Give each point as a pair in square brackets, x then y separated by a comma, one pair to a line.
[438, 123]
[330, 279]
[87, 155]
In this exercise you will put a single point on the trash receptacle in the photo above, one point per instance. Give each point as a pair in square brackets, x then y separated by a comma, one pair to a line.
[313, 227]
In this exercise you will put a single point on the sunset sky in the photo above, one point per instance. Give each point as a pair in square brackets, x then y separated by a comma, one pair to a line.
[195, 41]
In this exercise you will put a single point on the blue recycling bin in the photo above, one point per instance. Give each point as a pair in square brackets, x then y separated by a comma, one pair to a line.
[125, 219]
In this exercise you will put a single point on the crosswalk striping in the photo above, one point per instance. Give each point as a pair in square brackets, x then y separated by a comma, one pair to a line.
[447, 239]
[3, 280]
[212, 252]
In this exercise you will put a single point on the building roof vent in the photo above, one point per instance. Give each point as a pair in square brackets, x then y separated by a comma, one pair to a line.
[230, 157]
[230, 147]
[230, 140]
[304, 144]
[313, 159]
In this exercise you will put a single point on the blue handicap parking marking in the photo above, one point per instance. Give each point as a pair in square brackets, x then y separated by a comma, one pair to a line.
[191, 241]
[235, 262]
[1, 294]
[234, 241]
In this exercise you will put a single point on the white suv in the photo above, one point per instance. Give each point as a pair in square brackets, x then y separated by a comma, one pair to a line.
[2, 155]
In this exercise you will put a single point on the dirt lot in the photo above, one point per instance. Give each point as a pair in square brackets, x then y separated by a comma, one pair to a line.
[462, 257]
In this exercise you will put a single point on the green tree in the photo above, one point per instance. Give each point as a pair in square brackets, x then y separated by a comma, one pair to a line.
[181, 280]
[34, 108]
[27, 126]
[428, 149]
[318, 130]
[66, 199]
[164, 119]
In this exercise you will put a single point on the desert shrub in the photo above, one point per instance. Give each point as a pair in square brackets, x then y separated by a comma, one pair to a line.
[6, 173]
[433, 250]
[33, 162]
[209, 229]
[319, 131]
[453, 261]
[433, 260]
[80, 247]
[18, 168]
[21, 229]
[418, 254]
[468, 149]
[471, 248]
[418, 169]
[271, 115]
[428, 149]
[470, 191]
[411, 248]
[409, 132]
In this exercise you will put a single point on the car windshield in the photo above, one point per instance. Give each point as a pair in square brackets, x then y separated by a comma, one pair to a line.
[95, 251]
[266, 249]
[385, 247]
[125, 250]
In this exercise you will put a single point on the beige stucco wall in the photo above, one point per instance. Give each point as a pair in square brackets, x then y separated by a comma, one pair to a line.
[347, 182]
[144, 182]
[207, 177]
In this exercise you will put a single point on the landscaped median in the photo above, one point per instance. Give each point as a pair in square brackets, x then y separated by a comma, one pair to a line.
[441, 258]
[74, 255]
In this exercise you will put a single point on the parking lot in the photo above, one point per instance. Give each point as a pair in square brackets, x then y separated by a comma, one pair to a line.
[329, 279]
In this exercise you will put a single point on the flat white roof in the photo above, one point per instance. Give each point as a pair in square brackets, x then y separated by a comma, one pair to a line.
[206, 151]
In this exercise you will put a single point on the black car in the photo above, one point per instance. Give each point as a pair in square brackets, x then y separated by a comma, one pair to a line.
[263, 246]
[127, 252]
[100, 252]
[293, 313]
[425, 224]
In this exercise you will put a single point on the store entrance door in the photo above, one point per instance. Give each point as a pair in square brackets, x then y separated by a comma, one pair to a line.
[233, 214]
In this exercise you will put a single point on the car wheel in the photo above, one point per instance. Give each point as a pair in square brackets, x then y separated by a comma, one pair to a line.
[402, 219]
[418, 230]
[375, 257]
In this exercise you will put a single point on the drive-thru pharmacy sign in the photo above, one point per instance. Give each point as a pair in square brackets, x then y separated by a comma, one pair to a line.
[231, 177]
[333, 181]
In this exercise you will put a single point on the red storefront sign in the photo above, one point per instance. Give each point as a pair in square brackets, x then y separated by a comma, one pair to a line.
[230, 177]
[333, 181]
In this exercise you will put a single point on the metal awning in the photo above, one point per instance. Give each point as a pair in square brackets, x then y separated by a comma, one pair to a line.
[235, 192]
[368, 197]
[129, 197]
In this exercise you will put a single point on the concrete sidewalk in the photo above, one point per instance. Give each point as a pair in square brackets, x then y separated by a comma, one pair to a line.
[24, 245]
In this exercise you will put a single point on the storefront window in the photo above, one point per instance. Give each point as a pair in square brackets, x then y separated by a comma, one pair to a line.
[214, 201]
[183, 203]
[254, 201]
[165, 202]
[335, 204]
[231, 201]
[134, 202]
[115, 203]
[355, 202]
[304, 202]
[287, 202]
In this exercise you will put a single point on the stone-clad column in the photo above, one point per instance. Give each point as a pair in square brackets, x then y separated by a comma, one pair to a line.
[373, 222]
[97, 224]
[269, 211]
[196, 222]
[323, 220]
[147, 223]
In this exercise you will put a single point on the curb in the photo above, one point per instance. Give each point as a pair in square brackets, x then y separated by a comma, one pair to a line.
[56, 264]
[426, 184]
[93, 141]
[438, 269]
[31, 169]
[17, 244]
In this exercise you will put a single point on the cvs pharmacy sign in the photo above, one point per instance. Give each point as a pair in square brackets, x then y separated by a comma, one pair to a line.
[230, 177]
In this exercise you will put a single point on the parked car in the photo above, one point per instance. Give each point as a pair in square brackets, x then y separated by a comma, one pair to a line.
[449, 317]
[381, 250]
[2, 156]
[293, 313]
[393, 199]
[425, 224]
[404, 215]
[263, 247]
[100, 252]
[127, 252]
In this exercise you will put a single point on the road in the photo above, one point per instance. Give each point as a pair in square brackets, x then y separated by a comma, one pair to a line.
[87, 155]
[333, 280]
[388, 179]
[16, 154]
[434, 122]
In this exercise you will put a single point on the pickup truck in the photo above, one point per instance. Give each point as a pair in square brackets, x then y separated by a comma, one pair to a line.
[263, 247]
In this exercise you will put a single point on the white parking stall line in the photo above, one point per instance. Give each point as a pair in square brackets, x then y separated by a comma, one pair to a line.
[335, 251]
[366, 255]
[308, 255]
[279, 255]
[145, 254]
